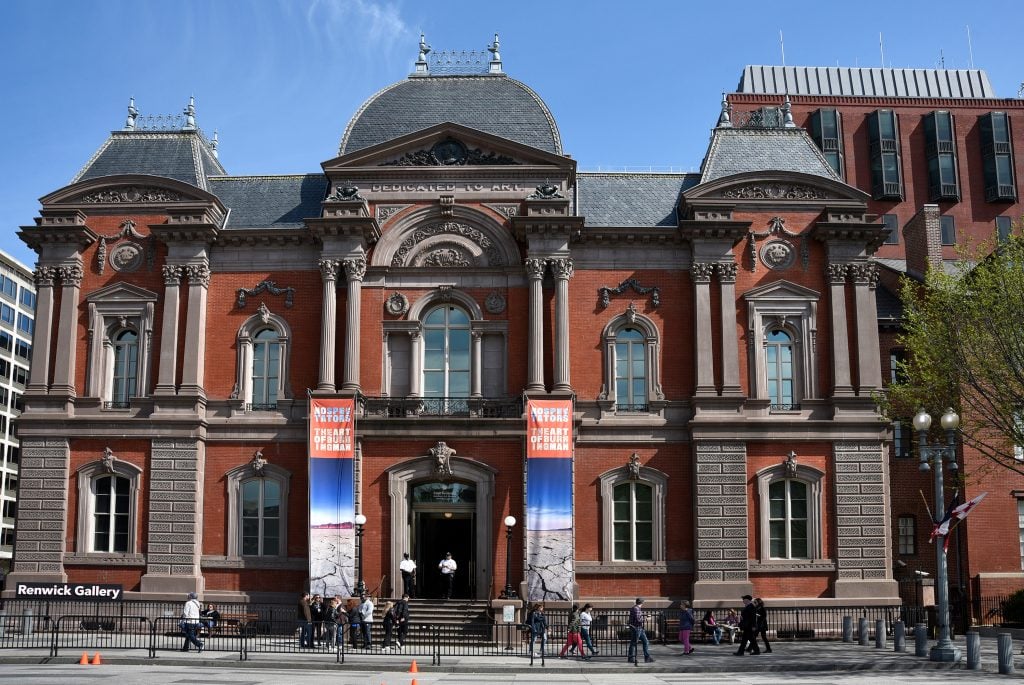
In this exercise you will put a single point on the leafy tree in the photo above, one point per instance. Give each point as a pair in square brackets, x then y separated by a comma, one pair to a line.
[964, 337]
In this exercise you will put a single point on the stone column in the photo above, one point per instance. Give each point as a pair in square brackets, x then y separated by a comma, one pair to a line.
[562, 270]
[67, 331]
[355, 269]
[478, 361]
[175, 543]
[39, 371]
[842, 387]
[730, 341]
[865, 279]
[195, 329]
[703, 349]
[168, 369]
[535, 351]
[42, 512]
[328, 323]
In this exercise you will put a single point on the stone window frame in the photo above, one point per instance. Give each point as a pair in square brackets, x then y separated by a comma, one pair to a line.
[87, 475]
[235, 478]
[112, 310]
[658, 482]
[795, 309]
[244, 364]
[652, 339]
[814, 480]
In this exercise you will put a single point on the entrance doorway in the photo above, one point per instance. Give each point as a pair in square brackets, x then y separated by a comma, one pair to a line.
[435, 534]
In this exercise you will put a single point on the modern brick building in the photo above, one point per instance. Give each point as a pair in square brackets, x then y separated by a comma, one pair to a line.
[717, 333]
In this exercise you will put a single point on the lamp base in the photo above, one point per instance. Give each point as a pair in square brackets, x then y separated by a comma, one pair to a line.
[944, 653]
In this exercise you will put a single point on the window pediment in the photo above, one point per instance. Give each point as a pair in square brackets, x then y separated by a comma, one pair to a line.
[121, 293]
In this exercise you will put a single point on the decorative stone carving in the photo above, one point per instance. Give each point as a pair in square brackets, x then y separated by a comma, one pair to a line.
[545, 191]
[328, 269]
[258, 464]
[773, 191]
[790, 465]
[172, 274]
[447, 203]
[70, 275]
[778, 255]
[126, 257]
[198, 274]
[865, 273]
[495, 302]
[444, 293]
[561, 268]
[726, 271]
[264, 311]
[605, 292]
[346, 192]
[44, 276]
[107, 460]
[131, 195]
[633, 466]
[450, 256]
[631, 313]
[442, 455]
[535, 267]
[777, 227]
[269, 287]
[451, 152]
[455, 228]
[385, 212]
[355, 268]
[397, 304]
[701, 272]
[508, 211]
[836, 272]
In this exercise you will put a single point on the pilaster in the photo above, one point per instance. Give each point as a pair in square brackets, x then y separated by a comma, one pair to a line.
[562, 269]
[730, 343]
[168, 364]
[703, 347]
[535, 350]
[355, 269]
[39, 372]
[841, 383]
[67, 331]
[42, 512]
[865, 280]
[195, 330]
[329, 327]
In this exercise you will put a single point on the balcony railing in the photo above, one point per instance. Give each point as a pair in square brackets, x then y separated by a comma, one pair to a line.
[252, 406]
[623, 408]
[785, 407]
[118, 404]
[470, 407]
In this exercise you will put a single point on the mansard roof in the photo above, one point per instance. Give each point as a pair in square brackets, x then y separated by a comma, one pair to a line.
[182, 155]
[270, 201]
[866, 82]
[741, 150]
[631, 199]
[493, 103]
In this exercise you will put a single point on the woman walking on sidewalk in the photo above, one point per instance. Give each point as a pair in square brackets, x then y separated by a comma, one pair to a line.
[686, 622]
[572, 637]
[586, 620]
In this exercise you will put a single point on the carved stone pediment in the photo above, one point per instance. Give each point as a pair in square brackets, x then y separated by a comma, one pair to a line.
[452, 151]
[447, 244]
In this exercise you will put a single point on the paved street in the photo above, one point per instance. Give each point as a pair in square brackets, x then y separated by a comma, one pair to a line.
[808, 663]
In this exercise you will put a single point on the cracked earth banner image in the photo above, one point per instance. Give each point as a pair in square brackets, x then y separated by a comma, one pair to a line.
[331, 497]
[549, 543]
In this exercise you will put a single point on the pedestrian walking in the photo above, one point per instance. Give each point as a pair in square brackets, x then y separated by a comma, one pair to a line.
[686, 623]
[402, 619]
[637, 633]
[447, 567]
[538, 624]
[748, 624]
[572, 635]
[388, 619]
[760, 627]
[190, 622]
[586, 621]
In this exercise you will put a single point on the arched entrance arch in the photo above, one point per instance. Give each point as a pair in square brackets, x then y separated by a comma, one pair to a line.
[401, 480]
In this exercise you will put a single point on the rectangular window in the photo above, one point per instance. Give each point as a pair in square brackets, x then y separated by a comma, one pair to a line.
[997, 156]
[13, 454]
[827, 132]
[17, 402]
[1020, 526]
[907, 535]
[25, 324]
[8, 286]
[7, 314]
[892, 223]
[1004, 225]
[3, 398]
[20, 375]
[7, 537]
[902, 439]
[886, 178]
[940, 148]
[23, 349]
[6, 341]
[5, 370]
[947, 226]
[10, 509]
[28, 299]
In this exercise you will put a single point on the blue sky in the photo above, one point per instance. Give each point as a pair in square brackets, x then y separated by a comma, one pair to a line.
[631, 84]
[549, 494]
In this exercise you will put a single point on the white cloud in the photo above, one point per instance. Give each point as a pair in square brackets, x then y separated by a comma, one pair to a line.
[359, 25]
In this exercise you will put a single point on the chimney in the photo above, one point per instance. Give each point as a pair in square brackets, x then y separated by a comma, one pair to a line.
[922, 237]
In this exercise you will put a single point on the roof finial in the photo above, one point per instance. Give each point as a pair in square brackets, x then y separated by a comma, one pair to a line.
[213, 145]
[421, 60]
[495, 56]
[787, 113]
[723, 119]
[190, 114]
[129, 124]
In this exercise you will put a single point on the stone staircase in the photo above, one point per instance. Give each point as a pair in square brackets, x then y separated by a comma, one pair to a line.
[446, 612]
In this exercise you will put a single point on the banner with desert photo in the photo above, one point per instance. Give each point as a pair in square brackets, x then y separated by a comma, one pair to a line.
[331, 497]
[549, 500]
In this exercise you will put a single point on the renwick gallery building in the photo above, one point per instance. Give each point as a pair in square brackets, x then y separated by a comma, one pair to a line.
[718, 336]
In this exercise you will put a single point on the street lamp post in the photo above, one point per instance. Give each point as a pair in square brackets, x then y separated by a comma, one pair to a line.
[508, 592]
[360, 585]
[934, 455]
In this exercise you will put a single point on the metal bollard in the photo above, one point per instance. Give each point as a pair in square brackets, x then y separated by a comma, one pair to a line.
[899, 637]
[1005, 654]
[862, 631]
[973, 650]
[26, 622]
[921, 640]
[847, 629]
[879, 634]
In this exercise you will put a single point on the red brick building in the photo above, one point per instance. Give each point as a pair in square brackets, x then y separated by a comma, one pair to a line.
[718, 334]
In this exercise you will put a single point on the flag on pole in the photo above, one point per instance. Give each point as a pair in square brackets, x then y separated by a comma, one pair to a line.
[941, 526]
[956, 512]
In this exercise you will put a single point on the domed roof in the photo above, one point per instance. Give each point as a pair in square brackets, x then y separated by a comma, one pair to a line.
[492, 103]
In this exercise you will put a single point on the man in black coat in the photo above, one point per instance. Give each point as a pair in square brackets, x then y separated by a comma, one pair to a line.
[402, 618]
[748, 626]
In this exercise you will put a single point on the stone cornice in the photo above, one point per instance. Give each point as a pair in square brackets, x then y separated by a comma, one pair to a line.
[364, 228]
[632, 567]
[277, 237]
[541, 225]
[629, 236]
[104, 559]
[63, 229]
[183, 232]
[283, 563]
[717, 229]
[870, 235]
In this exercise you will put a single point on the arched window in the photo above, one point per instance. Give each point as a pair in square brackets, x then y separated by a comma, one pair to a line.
[630, 370]
[126, 368]
[261, 517]
[633, 522]
[111, 514]
[446, 356]
[779, 366]
[787, 519]
[266, 369]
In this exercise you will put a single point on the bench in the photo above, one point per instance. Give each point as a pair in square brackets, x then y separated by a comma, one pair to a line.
[232, 624]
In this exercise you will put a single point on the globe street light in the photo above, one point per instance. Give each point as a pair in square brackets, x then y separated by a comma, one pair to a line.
[934, 455]
[508, 592]
[360, 585]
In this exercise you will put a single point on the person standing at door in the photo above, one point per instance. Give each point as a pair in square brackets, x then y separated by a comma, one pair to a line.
[408, 569]
[447, 567]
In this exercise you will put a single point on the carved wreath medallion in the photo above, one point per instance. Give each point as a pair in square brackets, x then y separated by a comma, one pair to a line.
[778, 255]
[495, 303]
[126, 257]
[397, 304]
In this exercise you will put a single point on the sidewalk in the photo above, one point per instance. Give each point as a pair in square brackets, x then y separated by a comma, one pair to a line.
[786, 656]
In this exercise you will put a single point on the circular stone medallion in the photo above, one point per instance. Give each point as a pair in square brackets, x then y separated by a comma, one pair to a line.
[126, 257]
[778, 255]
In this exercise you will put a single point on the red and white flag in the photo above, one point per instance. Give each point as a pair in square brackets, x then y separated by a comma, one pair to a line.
[955, 513]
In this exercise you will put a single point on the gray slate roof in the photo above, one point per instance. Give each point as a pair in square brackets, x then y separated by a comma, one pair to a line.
[183, 156]
[494, 104]
[863, 81]
[630, 199]
[739, 150]
[270, 201]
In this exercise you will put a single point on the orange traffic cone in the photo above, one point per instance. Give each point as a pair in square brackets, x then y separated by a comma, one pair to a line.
[413, 668]
[96, 660]
[413, 682]
[84, 661]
